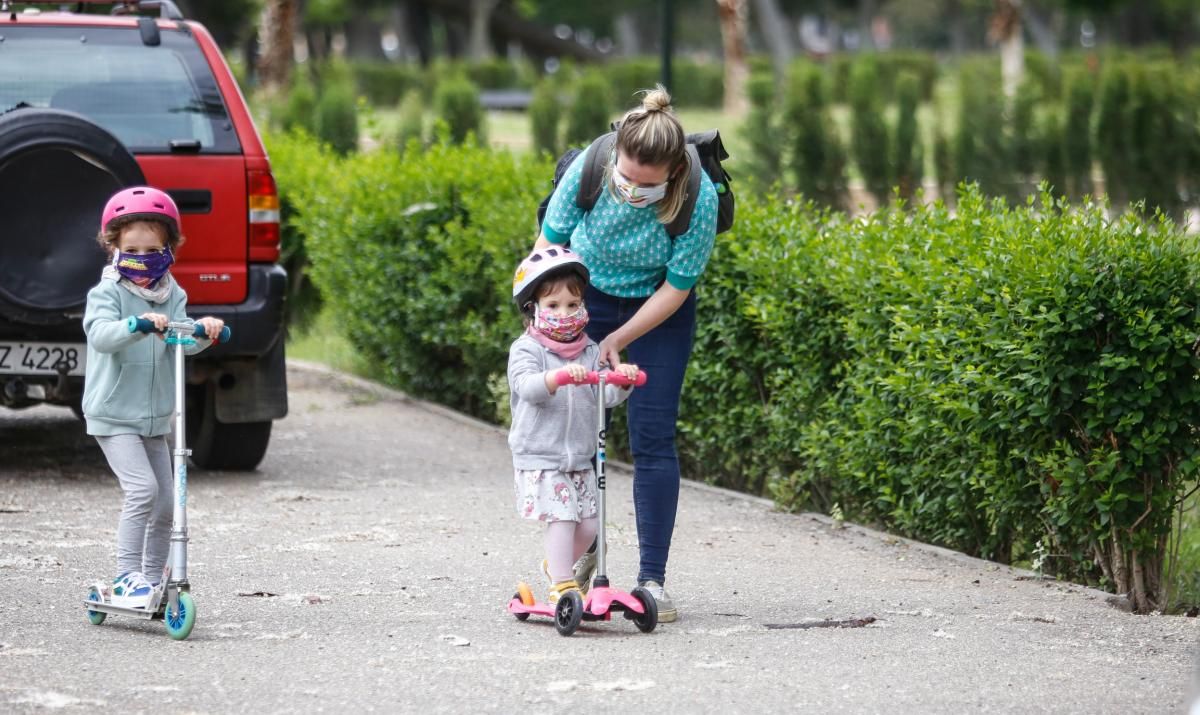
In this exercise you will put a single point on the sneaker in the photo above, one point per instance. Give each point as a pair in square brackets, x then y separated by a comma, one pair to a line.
[560, 588]
[666, 607]
[585, 569]
[131, 590]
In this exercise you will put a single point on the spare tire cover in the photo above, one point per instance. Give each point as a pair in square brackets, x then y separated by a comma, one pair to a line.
[57, 170]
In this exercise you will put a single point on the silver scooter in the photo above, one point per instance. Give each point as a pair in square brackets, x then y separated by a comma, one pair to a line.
[171, 599]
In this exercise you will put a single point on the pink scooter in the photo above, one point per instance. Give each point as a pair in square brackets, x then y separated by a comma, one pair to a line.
[602, 600]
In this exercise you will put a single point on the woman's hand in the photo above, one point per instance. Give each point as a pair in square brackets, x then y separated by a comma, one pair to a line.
[212, 327]
[610, 351]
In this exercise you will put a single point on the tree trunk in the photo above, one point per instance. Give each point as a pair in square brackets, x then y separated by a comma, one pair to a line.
[733, 40]
[625, 27]
[364, 37]
[1005, 30]
[480, 46]
[276, 27]
[866, 13]
[958, 28]
[774, 28]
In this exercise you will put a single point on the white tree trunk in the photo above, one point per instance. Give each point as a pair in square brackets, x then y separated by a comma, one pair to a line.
[774, 28]
[629, 44]
[480, 47]
[733, 39]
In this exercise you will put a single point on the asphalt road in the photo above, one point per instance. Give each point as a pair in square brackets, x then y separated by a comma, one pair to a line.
[366, 565]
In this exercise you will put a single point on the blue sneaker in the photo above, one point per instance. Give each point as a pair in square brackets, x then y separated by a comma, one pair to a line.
[131, 590]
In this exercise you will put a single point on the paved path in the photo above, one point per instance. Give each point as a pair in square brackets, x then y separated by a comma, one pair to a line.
[365, 568]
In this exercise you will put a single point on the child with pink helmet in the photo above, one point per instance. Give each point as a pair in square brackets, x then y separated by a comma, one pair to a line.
[552, 437]
[128, 394]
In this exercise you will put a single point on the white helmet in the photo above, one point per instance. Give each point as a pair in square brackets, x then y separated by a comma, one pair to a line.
[550, 262]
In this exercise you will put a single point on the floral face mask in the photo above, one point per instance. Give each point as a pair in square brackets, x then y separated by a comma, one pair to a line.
[562, 328]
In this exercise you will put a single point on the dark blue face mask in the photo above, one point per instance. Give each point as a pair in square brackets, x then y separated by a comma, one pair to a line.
[144, 270]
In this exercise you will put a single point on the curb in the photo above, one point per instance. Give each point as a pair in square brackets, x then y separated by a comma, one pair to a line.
[391, 394]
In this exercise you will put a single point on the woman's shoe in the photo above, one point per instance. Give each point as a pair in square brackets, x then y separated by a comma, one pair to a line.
[666, 607]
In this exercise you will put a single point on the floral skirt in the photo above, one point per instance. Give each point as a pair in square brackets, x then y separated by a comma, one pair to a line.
[551, 495]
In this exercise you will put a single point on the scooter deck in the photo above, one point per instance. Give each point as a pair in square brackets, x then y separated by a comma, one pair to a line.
[598, 605]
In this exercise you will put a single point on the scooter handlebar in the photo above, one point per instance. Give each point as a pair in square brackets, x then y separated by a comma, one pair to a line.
[593, 377]
[141, 325]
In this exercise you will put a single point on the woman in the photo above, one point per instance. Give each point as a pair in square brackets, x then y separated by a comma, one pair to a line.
[641, 300]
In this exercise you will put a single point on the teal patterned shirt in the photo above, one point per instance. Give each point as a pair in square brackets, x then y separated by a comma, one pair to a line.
[627, 251]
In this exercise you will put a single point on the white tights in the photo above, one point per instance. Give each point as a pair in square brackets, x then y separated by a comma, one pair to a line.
[565, 543]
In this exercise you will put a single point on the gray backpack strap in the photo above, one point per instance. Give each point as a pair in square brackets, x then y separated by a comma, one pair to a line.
[593, 171]
[683, 219]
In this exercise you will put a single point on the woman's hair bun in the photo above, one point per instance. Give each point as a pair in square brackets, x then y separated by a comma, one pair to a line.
[657, 99]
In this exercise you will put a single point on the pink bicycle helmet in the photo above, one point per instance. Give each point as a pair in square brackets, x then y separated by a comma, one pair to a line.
[544, 263]
[141, 202]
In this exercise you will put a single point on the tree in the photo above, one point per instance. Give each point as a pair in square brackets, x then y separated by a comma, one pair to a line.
[275, 40]
[733, 39]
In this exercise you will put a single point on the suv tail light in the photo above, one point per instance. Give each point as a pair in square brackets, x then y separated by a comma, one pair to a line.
[264, 216]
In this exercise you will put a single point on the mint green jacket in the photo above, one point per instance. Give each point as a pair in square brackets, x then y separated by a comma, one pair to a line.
[129, 379]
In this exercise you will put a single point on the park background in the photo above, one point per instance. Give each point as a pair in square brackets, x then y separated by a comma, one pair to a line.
[960, 300]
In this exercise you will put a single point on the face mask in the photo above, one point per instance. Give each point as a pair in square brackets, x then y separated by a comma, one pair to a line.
[144, 270]
[563, 328]
[638, 196]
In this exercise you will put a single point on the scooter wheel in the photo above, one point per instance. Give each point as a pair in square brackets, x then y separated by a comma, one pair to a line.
[648, 619]
[520, 616]
[179, 623]
[525, 594]
[96, 617]
[568, 613]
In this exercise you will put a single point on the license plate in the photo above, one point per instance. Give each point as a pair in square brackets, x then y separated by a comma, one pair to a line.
[41, 358]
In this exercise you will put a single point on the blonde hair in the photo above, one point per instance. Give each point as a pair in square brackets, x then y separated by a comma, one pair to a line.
[652, 135]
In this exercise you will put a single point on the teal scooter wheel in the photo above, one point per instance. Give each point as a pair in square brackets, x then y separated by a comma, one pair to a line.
[96, 617]
[179, 624]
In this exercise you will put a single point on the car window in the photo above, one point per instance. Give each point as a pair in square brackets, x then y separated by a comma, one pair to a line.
[147, 96]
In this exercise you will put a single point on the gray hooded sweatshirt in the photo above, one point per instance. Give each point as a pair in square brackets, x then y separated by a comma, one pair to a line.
[553, 431]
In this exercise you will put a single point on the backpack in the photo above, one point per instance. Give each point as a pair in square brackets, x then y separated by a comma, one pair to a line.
[706, 153]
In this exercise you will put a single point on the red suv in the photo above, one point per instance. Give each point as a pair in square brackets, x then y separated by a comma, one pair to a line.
[91, 103]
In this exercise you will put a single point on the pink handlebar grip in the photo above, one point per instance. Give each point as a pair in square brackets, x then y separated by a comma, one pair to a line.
[593, 377]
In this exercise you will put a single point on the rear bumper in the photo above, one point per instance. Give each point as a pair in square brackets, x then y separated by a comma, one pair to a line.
[257, 323]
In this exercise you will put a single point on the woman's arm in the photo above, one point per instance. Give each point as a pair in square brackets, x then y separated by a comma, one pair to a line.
[657, 308]
[541, 242]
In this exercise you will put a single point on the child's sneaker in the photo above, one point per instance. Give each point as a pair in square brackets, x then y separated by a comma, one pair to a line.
[666, 607]
[560, 588]
[131, 590]
[585, 569]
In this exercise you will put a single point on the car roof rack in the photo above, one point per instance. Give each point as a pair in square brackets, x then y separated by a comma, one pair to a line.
[167, 9]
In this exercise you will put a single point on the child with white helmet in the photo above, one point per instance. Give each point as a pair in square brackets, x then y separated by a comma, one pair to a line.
[128, 394]
[553, 436]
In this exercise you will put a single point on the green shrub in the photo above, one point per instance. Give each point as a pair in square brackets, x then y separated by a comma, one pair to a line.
[983, 380]
[457, 103]
[980, 149]
[1157, 139]
[416, 255]
[300, 107]
[908, 157]
[1079, 93]
[1113, 132]
[385, 84]
[810, 139]
[1024, 148]
[868, 130]
[591, 110]
[761, 131]
[545, 115]
[411, 124]
[337, 116]
[1049, 144]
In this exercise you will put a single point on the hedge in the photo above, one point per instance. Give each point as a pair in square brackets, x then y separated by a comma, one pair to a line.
[987, 380]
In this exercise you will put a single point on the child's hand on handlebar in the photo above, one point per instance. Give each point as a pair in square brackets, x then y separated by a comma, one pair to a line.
[629, 371]
[577, 372]
[212, 327]
[160, 322]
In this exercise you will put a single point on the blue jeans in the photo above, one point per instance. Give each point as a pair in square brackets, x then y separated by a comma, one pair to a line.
[663, 354]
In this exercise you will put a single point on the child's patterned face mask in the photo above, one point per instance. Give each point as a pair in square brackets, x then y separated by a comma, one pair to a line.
[638, 196]
[144, 269]
[563, 328]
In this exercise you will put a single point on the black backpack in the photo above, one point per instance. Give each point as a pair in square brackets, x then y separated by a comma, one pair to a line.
[706, 153]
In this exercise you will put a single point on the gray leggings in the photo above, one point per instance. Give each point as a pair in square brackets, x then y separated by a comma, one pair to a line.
[143, 467]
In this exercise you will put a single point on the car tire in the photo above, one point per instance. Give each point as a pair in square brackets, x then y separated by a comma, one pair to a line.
[218, 445]
[57, 170]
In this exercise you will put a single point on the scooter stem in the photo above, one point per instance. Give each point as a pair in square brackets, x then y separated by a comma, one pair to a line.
[178, 554]
[601, 440]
